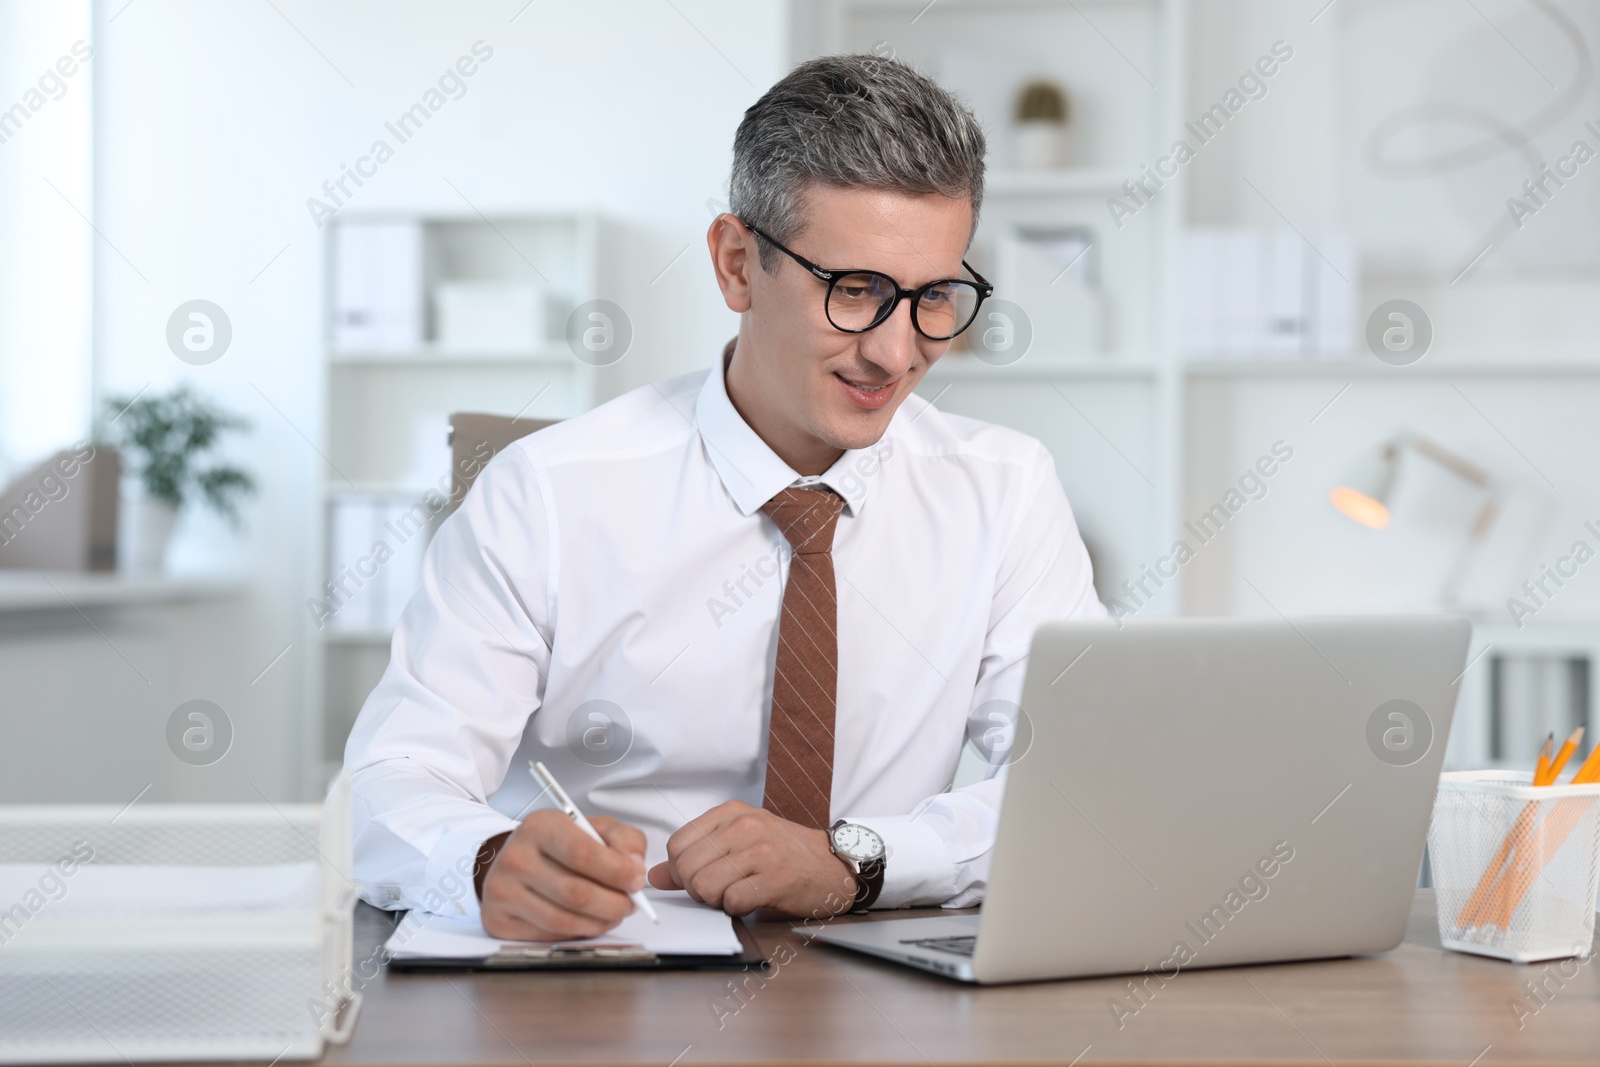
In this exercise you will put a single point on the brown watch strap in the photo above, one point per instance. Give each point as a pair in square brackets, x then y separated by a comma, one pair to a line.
[869, 883]
[487, 853]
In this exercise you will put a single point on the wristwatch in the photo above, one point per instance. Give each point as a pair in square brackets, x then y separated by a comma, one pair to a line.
[862, 851]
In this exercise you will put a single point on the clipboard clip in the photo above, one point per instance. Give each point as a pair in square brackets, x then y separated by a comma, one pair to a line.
[522, 955]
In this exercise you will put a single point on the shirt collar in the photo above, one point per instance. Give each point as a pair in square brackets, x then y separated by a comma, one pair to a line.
[753, 473]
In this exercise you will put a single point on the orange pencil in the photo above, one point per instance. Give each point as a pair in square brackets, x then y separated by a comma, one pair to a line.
[1590, 771]
[1568, 747]
[1558, 827]
[1543, 766]
[1491, 887]
[1472, 913]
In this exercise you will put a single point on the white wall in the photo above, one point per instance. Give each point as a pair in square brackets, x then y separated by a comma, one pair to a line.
[1286, 142]
[45, 245]
[216, 124]
[1533, 299]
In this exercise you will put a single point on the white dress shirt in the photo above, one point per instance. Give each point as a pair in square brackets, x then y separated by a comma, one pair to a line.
[606, 599]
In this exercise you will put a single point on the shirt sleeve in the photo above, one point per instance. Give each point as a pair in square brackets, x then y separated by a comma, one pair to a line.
[435, 738]
[939, 852]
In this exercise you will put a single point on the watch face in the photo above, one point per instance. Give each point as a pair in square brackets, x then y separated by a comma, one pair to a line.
[858, 842]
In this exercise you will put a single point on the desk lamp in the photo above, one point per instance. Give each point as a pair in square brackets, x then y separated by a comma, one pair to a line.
[1366, 496]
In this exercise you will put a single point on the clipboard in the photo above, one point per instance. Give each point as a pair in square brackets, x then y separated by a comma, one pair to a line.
[621, 957]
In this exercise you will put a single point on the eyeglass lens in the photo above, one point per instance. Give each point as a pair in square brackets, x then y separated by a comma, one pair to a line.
[861, 300]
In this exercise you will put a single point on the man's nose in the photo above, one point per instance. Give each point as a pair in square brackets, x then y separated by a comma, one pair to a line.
[892, 344]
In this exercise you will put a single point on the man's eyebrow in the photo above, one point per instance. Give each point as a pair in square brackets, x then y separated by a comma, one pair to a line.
[956, 276]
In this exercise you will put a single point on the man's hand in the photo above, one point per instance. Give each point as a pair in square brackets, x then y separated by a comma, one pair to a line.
[551, 881]
[740, 858]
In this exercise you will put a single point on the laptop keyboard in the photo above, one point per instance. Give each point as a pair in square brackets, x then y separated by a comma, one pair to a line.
[961, 945]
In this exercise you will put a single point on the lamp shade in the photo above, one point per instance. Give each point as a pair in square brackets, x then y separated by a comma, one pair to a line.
[1364, 495]
[1369, 511]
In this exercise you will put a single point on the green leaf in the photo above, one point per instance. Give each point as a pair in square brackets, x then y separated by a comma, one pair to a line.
[164, 438]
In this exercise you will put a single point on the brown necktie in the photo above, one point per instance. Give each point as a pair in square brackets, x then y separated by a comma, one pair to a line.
[804, 689]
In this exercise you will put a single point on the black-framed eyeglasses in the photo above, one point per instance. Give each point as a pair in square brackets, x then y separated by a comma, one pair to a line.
[858, 299]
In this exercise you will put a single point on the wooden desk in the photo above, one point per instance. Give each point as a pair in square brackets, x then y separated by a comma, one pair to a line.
[1417, 1004]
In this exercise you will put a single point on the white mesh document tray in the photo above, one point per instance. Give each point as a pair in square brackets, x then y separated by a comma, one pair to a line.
[175, 931]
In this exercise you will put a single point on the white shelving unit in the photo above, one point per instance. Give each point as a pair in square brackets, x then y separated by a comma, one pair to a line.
[1142, 436]
[386, 430]
[1112, 417]
[1522, 683]
[434, 356]
[1142, 433]
[1364, 367]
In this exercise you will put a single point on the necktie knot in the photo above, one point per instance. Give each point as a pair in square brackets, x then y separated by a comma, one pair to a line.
[806, 518]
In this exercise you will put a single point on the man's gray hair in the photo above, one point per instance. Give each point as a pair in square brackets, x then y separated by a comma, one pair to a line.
[850, 120]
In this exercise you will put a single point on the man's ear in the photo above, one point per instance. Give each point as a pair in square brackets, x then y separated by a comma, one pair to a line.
[734, 258]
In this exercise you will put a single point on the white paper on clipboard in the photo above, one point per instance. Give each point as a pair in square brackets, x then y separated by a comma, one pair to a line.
[687, 929]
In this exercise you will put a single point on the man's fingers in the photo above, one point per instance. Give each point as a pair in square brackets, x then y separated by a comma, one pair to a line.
[699, 842]
[578, 894]
[711, 855]
[552, 881]
[708, 867]
[743, 897]
[582, 854]
[520, 913]
[619, 835]
[661, 877]
[540, 920]
[704, 825]
[710, 882]
[533, 868]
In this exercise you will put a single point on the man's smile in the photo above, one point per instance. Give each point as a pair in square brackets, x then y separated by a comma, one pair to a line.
[868, 395]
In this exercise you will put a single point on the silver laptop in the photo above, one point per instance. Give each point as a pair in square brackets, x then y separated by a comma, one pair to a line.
[1202, 792]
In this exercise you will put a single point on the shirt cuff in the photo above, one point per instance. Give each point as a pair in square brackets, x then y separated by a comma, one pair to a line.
[917, 869]
[448, 885]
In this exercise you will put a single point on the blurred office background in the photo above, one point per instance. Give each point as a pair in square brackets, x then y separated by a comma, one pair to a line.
[1335, 353]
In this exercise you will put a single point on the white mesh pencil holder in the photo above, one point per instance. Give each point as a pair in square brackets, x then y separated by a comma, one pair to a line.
[1516, 867]
[167, 932]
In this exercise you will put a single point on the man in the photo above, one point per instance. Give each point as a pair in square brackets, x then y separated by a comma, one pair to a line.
[748, 616]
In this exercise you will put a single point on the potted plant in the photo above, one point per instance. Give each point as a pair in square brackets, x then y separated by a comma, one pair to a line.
[1041, 126]
[165, 440]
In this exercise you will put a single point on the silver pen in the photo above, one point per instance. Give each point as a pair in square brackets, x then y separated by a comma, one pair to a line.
[564, 802]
